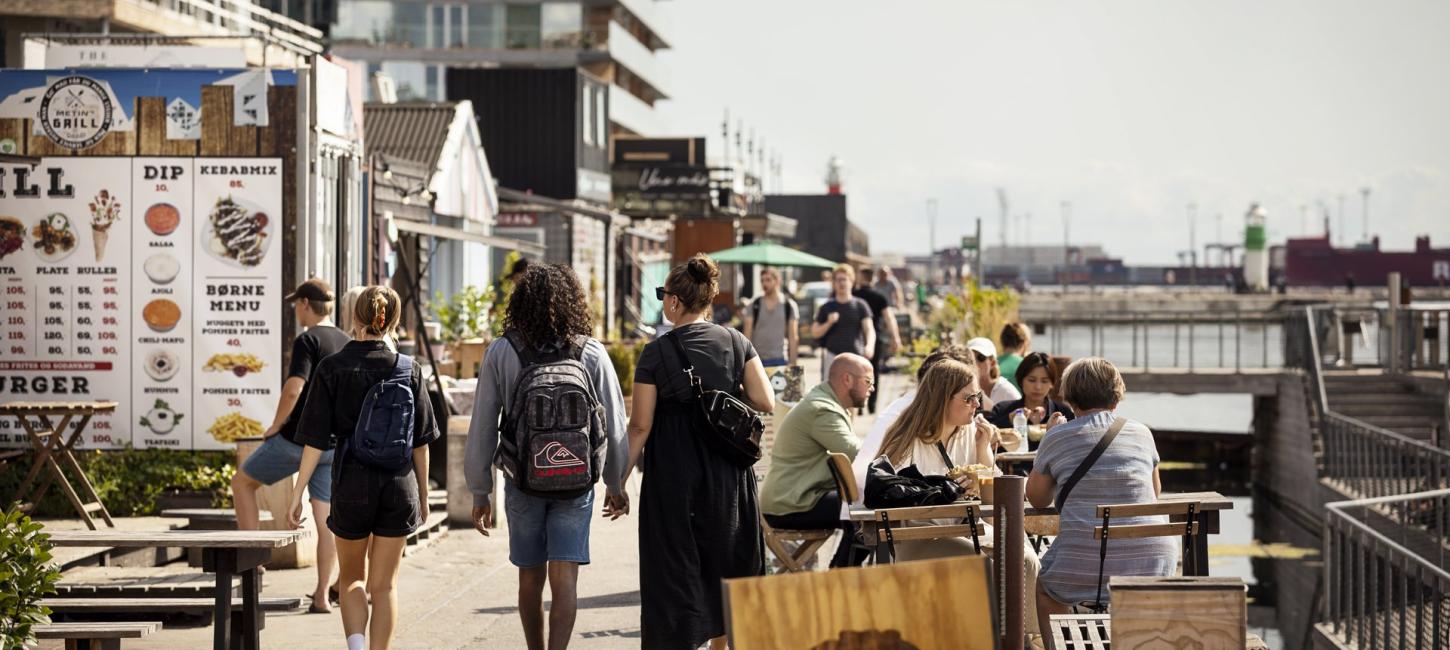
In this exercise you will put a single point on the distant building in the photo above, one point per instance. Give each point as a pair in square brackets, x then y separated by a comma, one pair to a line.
[415, 43]
[1314, 261]
[1039, 264]
[822, 227]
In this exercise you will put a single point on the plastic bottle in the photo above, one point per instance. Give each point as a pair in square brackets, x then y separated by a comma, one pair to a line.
[1019, 424]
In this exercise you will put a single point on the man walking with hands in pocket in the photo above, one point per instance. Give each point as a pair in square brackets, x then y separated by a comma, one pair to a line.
[549, 413]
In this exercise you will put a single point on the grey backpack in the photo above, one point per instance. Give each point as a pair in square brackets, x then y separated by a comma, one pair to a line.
[552, 441]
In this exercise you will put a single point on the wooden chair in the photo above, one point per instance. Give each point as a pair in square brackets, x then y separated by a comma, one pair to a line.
[943, 603]
[840, 467]
[1188, 529]
[806, 543]
[894, 526]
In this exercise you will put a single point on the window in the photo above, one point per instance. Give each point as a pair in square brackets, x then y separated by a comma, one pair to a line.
[523, 26]
[485, 26]
[586, 115]
[430, 83]
[562, 25]
[435, 25]
[410, 24]
[455, 26]
[601, 113]
[411, 78]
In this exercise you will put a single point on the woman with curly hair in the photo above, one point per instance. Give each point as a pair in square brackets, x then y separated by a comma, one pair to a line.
[547, 321]
[699, 514]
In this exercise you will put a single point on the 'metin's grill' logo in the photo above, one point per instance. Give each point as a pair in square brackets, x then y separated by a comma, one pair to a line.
[76, 112]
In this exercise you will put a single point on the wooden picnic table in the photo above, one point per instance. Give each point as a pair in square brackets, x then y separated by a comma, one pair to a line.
[1009, 460]
[1211, 503]
[53, 451]
[1094, 632]
[224, 553]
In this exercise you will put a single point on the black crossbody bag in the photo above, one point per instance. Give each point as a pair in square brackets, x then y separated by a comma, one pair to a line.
[727, 424]
[1088, 461]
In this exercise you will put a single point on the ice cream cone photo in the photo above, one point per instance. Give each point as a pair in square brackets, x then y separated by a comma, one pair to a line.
[105, 210]
[99, 237]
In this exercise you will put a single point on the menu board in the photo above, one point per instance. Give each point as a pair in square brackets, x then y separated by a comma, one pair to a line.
[151, 282]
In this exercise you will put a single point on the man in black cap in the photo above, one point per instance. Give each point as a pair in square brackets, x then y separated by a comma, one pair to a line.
[279, 456]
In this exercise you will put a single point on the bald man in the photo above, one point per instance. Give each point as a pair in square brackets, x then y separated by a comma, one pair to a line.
[799, 492]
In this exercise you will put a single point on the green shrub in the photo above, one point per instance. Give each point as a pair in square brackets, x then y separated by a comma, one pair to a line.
[624, 355]
[26, 576]
[463, 316]
[129, 480]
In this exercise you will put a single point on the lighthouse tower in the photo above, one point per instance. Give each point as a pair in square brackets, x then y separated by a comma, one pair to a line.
[833, 175]
[1256, 252]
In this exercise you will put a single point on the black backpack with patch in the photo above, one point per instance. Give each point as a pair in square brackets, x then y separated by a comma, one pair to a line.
[552, 439]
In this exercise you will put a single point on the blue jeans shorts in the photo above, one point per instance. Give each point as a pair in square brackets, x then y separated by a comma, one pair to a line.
[547, 530]
[279, 458]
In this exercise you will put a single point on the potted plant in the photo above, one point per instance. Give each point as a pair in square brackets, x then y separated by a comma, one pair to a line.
[26, 576]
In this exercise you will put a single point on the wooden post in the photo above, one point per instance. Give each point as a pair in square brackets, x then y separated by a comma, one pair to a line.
[273, 499]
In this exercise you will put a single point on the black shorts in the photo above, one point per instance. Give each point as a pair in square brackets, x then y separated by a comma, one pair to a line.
[367, 501]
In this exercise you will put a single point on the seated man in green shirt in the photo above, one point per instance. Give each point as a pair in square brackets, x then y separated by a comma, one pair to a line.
[799, 492]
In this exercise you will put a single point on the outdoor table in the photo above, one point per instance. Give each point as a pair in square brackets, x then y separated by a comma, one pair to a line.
[225, 553]
[53, 450]
[1008, 460]
[1094, 631]
[1208, 522]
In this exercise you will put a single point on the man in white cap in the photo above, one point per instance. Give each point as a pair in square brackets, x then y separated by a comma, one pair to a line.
[984, 351]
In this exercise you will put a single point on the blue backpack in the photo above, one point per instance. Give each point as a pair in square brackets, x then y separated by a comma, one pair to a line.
[383, 437]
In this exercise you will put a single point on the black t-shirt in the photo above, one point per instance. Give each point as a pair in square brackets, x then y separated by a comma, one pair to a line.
[876, 301]
[848, 334]
[308, 350]
[341, 383]
[719, 355]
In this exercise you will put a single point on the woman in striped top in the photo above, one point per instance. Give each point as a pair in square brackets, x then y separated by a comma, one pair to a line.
[1127, 472]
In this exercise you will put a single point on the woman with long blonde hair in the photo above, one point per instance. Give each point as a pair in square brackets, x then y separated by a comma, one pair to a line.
[941, 430]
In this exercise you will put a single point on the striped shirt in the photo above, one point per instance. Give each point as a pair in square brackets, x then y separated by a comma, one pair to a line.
[1123, 474]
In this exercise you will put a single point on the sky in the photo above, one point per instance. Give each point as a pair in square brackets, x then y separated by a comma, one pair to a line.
[1129, 111]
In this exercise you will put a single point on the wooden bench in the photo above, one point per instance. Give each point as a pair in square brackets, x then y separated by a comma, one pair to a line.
[96, 636]
[1093, 632]
[152, 605]
[173, 581]
[209, 519]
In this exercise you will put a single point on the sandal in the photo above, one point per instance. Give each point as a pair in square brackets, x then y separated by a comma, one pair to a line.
[333, 596]
[314, 608]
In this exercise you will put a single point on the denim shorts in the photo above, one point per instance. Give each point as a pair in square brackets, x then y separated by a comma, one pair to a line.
[279, 458]
[547, 530]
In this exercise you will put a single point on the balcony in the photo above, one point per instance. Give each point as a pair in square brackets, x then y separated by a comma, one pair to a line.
[631, 113]
[638, 59]
[654, 18]
[267, 38]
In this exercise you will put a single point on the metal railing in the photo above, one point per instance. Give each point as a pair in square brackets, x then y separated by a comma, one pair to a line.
[1385, 569]
[1385, 554]
[1415, 339]
[1190, 341]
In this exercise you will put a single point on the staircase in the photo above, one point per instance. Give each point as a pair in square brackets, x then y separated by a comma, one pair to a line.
[1387, 402]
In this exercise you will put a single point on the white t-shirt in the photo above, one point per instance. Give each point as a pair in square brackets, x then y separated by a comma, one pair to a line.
[1004, 391]
[871, 446]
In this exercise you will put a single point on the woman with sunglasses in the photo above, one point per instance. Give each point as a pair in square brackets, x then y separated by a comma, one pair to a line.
[699, 514]
[939, 431]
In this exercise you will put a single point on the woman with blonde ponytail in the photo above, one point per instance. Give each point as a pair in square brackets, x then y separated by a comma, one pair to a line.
[373, 507]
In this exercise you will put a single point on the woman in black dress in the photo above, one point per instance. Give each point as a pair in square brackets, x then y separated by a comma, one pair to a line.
[699, 516]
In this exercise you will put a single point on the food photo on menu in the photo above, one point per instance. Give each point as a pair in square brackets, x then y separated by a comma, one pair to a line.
[105, 212]
[54, 240]
[237, 364]
[12, 236]
[161, 314]
[237, 233]
[162, 219]
[161, 268]
[161, 419]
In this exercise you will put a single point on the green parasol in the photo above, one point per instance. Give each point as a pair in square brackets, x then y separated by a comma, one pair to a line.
[770, 254]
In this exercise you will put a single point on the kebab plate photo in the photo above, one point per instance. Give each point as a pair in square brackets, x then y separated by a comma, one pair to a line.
[237, 234]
